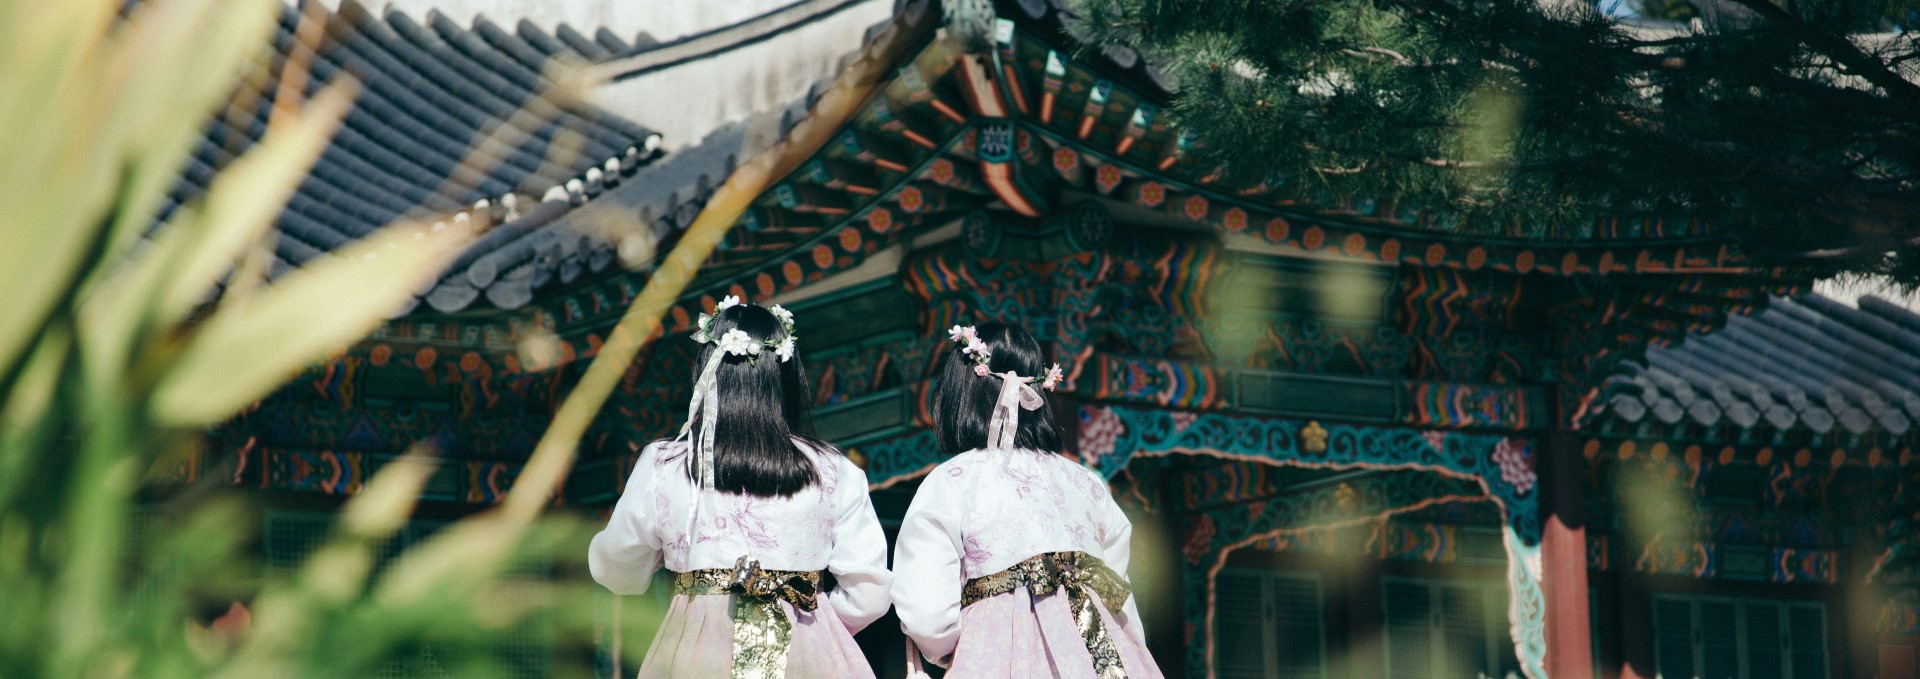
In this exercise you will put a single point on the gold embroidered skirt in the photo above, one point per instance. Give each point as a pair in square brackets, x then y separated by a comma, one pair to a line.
[762, 632]
[1084, 578]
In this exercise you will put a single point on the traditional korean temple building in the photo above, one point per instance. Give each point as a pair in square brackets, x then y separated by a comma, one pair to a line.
[1358, 439]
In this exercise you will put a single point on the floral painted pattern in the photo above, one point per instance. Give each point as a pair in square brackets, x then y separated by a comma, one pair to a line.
[1516, 464]
[1100, 429]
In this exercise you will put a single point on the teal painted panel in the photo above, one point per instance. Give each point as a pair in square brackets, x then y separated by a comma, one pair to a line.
[1318, 396]
[851, 421]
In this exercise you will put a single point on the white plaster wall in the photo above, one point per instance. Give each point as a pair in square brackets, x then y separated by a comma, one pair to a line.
[1848, 289]
[687, 102]
[690, 100]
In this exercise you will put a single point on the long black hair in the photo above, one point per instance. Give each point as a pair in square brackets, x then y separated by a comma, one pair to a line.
[764, 404]
[964, 401]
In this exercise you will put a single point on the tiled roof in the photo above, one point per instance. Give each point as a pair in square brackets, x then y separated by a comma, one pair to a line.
[1805, 363]
[1117, 60]
[433, 93]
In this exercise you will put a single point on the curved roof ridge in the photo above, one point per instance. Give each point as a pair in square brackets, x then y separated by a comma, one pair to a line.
[621, 17]
[1807, 363]
[1890, 312]
[450, 127]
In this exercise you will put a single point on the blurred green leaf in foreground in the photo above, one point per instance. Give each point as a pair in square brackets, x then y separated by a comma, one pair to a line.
[120, 344]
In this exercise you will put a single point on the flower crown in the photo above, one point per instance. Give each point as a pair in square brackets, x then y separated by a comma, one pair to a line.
[738, 342]
[972, 345]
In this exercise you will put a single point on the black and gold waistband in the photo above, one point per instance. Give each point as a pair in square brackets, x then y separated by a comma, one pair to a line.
[800, 588]
[762, 632]
[1044, 573]
[1083, 578]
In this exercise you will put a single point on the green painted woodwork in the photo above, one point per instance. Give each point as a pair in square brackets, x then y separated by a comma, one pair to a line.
[878, 414]
[1358, 399]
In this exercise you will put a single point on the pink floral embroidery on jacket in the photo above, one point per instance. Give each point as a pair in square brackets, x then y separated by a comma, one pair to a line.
[975, 554]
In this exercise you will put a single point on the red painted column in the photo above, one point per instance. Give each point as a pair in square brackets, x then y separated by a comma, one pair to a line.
[1563, 558]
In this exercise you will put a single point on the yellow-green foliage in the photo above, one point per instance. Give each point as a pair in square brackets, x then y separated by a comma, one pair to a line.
[112, 361]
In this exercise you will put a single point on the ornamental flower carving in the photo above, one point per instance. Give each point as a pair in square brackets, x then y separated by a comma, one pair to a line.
[1516, 467]
[1346, 498]
[1313, 438]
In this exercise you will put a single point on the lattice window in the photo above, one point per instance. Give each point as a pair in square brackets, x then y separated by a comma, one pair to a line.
[1270, 625]
[290, 537]
[1728, 638]
[1597, 633]
[1447, 629]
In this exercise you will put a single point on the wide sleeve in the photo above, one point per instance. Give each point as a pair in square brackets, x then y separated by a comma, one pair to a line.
[859, 558]
[926, 563]
[1116, 547]
[624, 556]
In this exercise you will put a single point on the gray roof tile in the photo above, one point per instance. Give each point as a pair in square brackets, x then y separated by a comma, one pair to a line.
[1804, 363]
[435, 97]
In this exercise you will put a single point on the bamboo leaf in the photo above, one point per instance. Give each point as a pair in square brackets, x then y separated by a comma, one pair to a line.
[388, 500]
[186, 259]
[245, 351]
[28, 417]
[244, 200]
[91, 103]
[180, 64]
[471, 550]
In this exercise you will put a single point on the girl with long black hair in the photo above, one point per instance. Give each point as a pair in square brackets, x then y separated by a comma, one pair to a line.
[751, 514]
[1012, 558]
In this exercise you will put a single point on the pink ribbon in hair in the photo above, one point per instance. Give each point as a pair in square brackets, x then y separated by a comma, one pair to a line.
[1015, 395]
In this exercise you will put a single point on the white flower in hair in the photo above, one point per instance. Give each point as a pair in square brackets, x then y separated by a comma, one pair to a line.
[739, 343]
[786, 317]
[971, 344]
[729, 301]
[700, 332]
[785, 350]
[1053, 377]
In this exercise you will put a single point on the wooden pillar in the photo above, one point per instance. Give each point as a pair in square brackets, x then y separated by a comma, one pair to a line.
[1563, 557]
[1633, 614]
[1365, 653]
[1164, 615]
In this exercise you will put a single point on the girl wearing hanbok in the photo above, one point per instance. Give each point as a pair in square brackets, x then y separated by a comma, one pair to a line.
[1012, 558]
[751, 516]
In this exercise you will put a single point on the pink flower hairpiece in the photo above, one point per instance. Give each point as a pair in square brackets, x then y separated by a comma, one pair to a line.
[971, 345]
[1053, 378]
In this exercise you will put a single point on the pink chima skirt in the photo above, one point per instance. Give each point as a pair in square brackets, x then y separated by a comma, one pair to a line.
[696, 640]
[1014, 635]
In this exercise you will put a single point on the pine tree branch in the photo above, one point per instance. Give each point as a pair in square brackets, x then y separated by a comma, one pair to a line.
[1697, 39]
[1376, 54]
[1867, 208]
[1341, 171]
[1369, 53]
[1841, 50]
